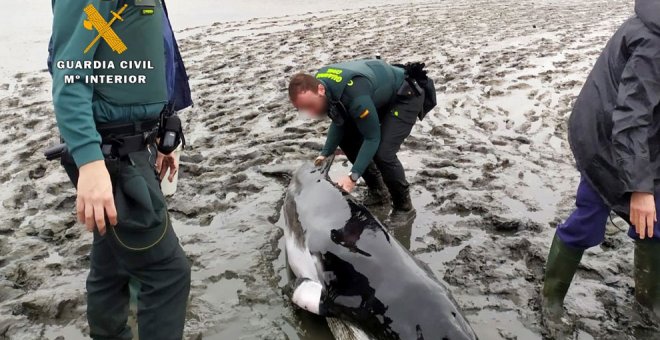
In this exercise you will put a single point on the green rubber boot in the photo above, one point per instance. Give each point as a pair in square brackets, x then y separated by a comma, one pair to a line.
[559, 270]
[647, 274]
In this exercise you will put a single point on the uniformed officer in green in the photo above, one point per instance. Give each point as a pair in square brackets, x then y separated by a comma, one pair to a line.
[109, 125]
[373, 106]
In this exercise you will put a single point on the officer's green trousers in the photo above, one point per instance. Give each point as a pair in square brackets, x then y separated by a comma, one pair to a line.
[155, 258]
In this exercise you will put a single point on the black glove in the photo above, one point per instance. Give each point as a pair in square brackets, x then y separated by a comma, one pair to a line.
[416, 71]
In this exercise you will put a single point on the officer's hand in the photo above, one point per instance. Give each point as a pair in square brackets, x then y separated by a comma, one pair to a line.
[642, 213]
[164, 162]
[346, 183]
[95, 199]
[319, 160]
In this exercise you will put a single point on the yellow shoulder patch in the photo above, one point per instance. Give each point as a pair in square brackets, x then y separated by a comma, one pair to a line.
[364, 114]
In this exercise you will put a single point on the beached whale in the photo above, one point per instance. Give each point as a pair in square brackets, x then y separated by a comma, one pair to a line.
[350, 268]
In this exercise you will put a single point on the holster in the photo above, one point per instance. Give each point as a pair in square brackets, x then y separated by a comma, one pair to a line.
[120, 140]
[117, 140]
[410, 88]
[416, 72]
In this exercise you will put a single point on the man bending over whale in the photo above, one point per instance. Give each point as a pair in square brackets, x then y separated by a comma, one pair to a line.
[373, 107]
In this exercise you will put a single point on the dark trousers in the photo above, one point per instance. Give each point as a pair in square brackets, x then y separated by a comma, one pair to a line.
[585, 227]
[396, 123]
[142, 247]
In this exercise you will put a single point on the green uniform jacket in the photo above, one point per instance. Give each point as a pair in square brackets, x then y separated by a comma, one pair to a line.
[82, 104]
[357, 89]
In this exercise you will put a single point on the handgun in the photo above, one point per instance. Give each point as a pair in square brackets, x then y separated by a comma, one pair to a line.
[55, 152]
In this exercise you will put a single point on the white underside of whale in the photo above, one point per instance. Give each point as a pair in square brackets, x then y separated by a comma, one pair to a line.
[308, 295]
[301, 261]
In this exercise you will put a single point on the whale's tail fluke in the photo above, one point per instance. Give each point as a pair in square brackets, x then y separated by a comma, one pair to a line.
[345, 330]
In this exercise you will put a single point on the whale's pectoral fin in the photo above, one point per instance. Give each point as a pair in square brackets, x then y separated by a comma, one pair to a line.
[308, 295]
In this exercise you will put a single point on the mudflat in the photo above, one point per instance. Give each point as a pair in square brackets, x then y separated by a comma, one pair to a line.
[491, 171]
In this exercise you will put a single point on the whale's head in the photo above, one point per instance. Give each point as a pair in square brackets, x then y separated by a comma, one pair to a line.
[308, 174]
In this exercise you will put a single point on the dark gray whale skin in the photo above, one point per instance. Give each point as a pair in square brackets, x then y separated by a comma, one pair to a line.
[368, 277]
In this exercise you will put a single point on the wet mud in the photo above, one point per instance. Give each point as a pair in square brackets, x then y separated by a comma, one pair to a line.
[490, 168]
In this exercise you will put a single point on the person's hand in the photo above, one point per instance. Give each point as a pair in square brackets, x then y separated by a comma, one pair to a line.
[642, 213]
[346, 183]
[95, 200]
[319, 160]
[164, 162]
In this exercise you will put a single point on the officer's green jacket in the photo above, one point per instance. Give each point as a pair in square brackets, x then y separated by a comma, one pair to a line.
[80, 105]
[357, 89]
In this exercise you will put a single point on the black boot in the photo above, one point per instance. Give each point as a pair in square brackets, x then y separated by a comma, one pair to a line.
[376, 197]
[559, 270]
[377, 194]
[647, 274]
[402, 208]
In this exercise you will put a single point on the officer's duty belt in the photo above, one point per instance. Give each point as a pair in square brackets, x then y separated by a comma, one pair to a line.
[121, 139]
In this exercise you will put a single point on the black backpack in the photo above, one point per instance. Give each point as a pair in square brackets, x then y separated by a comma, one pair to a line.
[416, 71]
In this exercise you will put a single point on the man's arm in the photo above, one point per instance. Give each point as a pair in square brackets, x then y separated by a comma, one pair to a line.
[366, 118]
[638, 97]
[335, 135]
[73, 101]
[73, 111]
[362, 110]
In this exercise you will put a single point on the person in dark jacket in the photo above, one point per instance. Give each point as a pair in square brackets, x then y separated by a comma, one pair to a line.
[373, 107]
[614, 132]
[109, 129]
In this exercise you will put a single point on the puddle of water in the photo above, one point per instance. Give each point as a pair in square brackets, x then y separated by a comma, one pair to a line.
[231, 329]
[68, 332]
[53, 258]
[437, 260]
[582, 335]
[223, 292]
[495, 325]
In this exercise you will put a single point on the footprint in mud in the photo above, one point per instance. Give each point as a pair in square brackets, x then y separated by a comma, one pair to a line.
[24, 277]
[37, 172]
[486, 125]
[24, 194]
[443, 238]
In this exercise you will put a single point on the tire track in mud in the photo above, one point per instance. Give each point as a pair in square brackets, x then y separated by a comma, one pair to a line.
[491, 170]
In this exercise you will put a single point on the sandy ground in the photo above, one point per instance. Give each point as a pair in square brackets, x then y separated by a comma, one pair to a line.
[491, 171]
